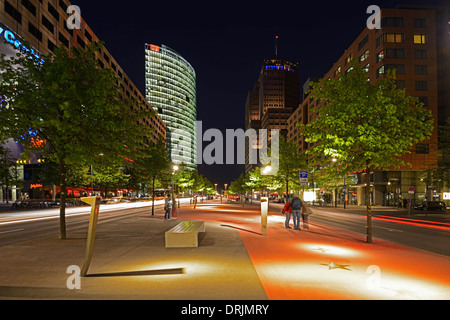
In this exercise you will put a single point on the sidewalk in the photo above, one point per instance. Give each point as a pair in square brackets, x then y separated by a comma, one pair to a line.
[233, 262]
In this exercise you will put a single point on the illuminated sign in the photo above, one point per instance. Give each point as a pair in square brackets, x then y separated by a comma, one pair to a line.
[279, 67]
[154, 48]
[446, 195]
[11, 38]
[36, 186]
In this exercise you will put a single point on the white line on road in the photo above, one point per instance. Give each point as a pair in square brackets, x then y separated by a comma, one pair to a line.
[12, 231]
[389, 229]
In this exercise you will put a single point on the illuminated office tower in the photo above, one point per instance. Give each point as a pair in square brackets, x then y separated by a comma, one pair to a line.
[171, 90]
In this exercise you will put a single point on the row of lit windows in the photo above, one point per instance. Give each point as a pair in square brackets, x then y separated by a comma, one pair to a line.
[400, 38]
[171, 101]
[181, 91]
[166, 78]
[155, 69]
[161, 61]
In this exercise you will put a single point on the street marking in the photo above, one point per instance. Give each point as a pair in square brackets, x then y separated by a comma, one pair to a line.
[12, 231]
[389, 229]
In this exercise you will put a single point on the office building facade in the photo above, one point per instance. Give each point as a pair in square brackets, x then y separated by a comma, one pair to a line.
[42, 27]
[416, 43]
[172, 90]
[270, 103]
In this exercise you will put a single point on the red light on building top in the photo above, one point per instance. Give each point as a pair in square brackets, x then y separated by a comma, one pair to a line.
[154, 48]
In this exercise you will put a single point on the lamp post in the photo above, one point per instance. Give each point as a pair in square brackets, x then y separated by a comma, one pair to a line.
[174, 170]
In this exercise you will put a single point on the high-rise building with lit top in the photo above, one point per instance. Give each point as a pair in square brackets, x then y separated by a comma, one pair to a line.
[172, 91]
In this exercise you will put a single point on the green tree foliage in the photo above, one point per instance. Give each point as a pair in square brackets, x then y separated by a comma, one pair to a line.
[9, 173]
[153, 164]
[366, 126]
[290, 164]
[74, 106]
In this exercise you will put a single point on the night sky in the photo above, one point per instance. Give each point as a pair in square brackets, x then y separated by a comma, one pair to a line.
[226, 43]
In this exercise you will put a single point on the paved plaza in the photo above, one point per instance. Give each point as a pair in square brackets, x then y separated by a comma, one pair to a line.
[233, 262]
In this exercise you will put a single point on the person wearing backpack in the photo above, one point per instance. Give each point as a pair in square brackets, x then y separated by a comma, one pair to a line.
[287, 210]
[296, 211]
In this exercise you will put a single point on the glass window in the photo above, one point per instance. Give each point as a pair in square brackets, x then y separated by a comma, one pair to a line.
[364, 56]
[392, 22]
[420, 23]
[422, 148]
[395, 53]
[399, 68]
[380, 56]
[421, 54]
[420, 39]
[421, 69]
[424, 100]
[380, 71]
[421, 85]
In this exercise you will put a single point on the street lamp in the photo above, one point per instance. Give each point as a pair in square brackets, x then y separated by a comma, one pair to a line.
[174, 170]
[267, 170]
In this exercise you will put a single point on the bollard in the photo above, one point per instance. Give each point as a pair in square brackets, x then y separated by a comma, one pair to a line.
[94, 202]
[264, 211]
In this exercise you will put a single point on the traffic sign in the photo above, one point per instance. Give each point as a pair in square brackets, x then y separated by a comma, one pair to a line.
[412, 190]
[304, 177]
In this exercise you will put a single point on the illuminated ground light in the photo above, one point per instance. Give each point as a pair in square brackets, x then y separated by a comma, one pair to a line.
[330, 250]
[396, 286]
[319, 281]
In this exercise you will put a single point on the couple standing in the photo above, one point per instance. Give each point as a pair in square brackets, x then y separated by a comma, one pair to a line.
[297, 207]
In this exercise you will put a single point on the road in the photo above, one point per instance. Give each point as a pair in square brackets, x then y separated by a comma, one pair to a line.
[19, 226]
[430, 233]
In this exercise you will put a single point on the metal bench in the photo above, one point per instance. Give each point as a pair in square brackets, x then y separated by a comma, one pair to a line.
[185, 234]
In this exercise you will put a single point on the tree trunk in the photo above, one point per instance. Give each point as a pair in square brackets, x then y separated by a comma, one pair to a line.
[287, 188]
[62, 208]
[369, 205]
[153, 197]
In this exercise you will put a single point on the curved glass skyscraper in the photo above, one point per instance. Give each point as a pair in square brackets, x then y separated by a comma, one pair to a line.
[171, 90]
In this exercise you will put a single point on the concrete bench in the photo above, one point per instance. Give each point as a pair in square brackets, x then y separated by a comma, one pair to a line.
[185, 234]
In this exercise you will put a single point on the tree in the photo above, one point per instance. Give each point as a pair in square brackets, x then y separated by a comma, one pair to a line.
[72, 107]
[153, 164]
[290, 164]
[109, 177]
[444, 156]
[9, 174]
[365, 126]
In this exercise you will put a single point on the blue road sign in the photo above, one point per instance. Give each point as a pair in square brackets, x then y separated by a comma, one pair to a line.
[303, 174]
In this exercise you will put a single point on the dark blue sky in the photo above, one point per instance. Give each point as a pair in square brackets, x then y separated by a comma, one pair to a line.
[227, 41]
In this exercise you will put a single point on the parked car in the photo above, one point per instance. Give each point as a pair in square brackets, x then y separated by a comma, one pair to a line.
[431, 205]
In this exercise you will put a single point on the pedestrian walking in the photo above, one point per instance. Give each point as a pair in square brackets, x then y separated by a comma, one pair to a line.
[287, 210]
[296, 211]
[306, 211]
[167, 207]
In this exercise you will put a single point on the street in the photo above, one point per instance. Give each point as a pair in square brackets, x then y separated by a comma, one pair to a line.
[19, 226]
[426, 233]
[430, 233]
[233, 259]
